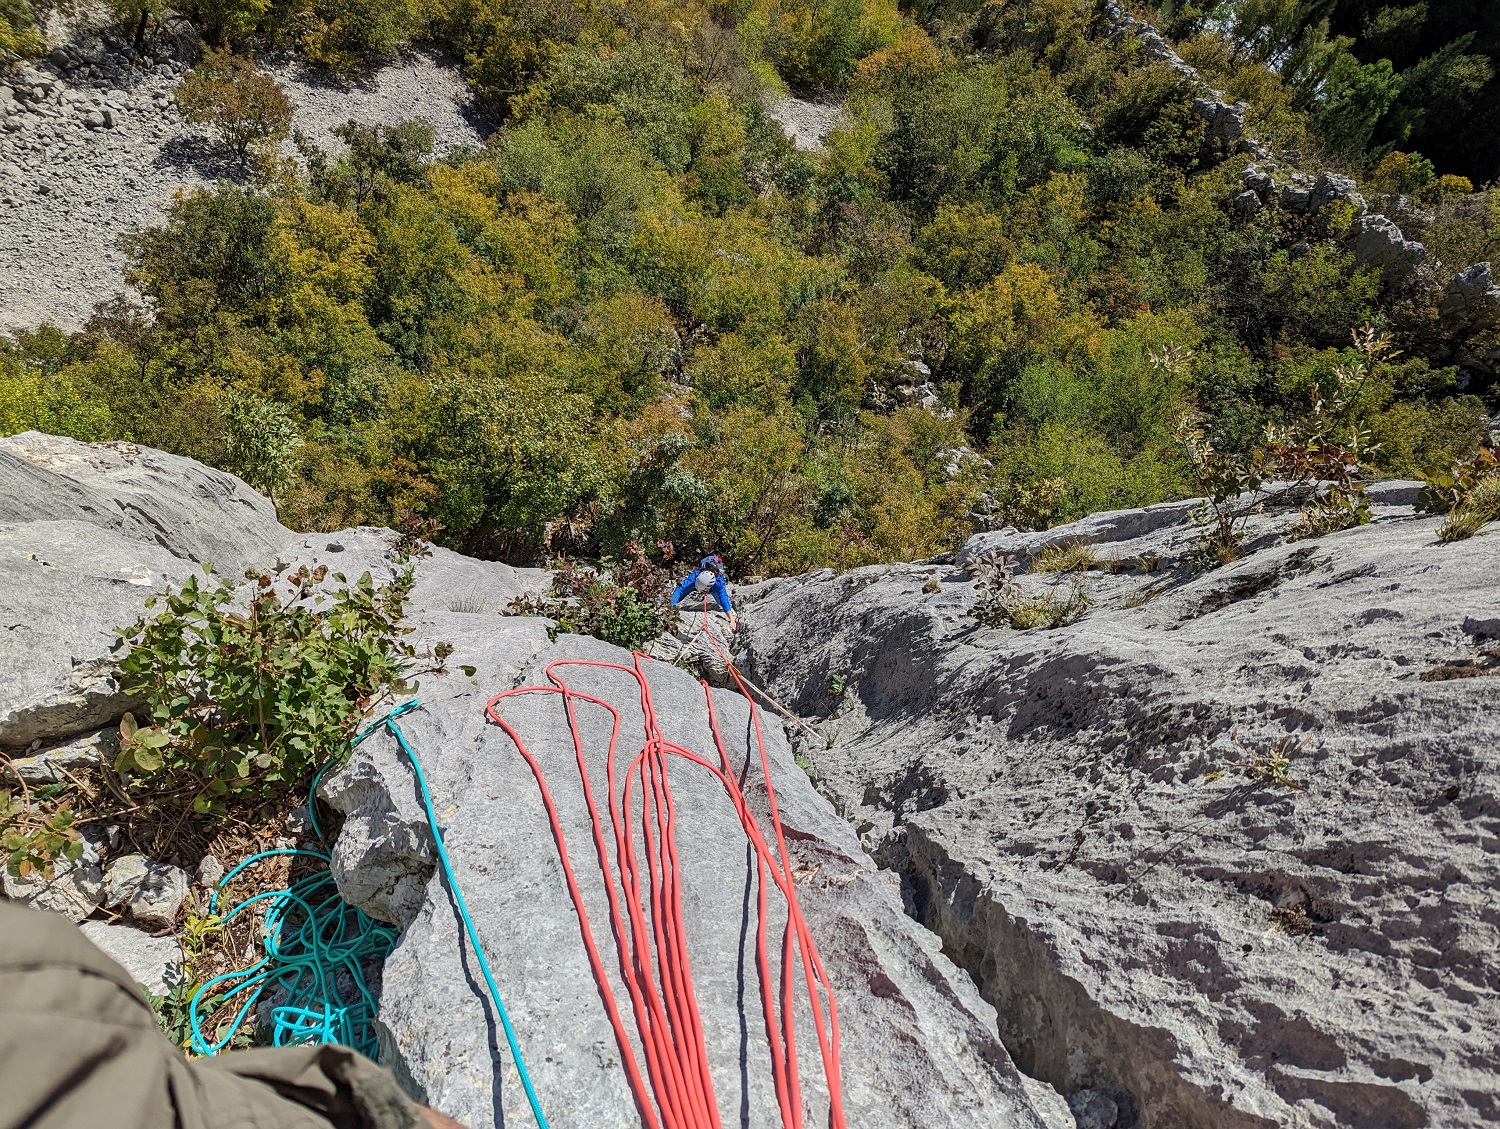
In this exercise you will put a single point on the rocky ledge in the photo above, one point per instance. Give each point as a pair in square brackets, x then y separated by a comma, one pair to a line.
[1223, 852]
[88, 531]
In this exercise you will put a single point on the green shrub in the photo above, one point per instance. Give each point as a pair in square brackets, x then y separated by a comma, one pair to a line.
[629, 606]
[260, 439]
[18, 30]
[34, 837]
[251, 699]
[1468, 492]
[248, 110]
[1002, 603]
[345, 36]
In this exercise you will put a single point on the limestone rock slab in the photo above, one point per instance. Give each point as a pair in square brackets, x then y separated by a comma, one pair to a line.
[919, 1045]
[1072, 812]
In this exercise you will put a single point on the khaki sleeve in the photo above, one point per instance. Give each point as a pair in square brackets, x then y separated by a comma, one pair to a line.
[346, 1088]
[80, 1049]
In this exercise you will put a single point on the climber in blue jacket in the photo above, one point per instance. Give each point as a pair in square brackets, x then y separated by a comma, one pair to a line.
[707, 577]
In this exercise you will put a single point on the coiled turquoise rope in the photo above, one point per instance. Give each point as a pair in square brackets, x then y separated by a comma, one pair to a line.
[316, 946]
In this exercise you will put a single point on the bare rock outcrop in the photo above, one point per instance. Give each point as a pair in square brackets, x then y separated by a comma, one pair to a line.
[87, 531]
[919, 1045]
[1223, 850]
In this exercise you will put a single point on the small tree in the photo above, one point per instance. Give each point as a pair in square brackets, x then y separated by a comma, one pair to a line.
[260, 440]
[137, 15]
[247, 109]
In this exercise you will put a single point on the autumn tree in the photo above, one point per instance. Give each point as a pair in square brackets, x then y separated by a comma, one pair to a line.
[247, 109]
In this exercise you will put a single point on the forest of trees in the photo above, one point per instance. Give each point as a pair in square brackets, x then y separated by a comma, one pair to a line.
[638, 313]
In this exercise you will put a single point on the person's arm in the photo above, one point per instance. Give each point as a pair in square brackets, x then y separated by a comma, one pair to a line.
[721, 592]
[687, 582]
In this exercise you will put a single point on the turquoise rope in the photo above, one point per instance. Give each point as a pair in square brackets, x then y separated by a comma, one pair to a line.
[316, 946]
[389, 721]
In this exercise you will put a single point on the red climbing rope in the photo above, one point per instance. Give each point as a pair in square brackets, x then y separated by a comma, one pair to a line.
[653, 958]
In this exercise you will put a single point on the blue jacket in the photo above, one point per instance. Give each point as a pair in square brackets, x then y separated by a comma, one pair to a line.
[720, 589]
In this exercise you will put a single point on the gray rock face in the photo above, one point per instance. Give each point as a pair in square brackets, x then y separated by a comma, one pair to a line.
[919, 1045]
[192, 511]
[151, 892]
[75, 891]
[155, 962]
[87, 531]
[1295, 198]
[1246, 203]
[1332, 187]
[210, 871]
[1199, 943]
[74, 756]
[1379, 242]
[1259, 181]
[1472, 297]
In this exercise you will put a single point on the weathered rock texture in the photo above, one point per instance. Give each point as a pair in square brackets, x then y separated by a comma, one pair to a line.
[919, 1045]
[151, 892]
[1203, 945]
[155, 962]
[87, 531]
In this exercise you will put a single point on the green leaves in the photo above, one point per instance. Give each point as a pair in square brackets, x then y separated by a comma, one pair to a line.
[246, 699]
[32, 840]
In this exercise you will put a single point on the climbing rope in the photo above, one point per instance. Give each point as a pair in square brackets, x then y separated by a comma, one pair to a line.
[463, 909]
[653, 958]
[317, 945]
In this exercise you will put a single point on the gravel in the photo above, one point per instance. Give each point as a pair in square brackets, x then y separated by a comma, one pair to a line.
[81, 164]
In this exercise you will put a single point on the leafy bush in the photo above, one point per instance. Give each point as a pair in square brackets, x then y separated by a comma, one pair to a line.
[260, 439]
[1001, 601]
[250, 699]
[18, 31]
[1302, 461]
[248, 110]
[628, 606]
[344, 36]
[34, 838]
[1468, 493]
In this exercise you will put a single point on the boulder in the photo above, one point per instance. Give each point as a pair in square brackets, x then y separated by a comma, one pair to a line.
[1219, 851]
[1295, 198]
[918, 1044]
[1121, 529]
[1472, 297]
[1378, 241]
[87, 532]
[151, 892]
[1226, 120]
[1246, 203]
[210, 871]
[192, 511]
[155, 962]
[1259, 181]
[1332, 187]
[75, 890]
